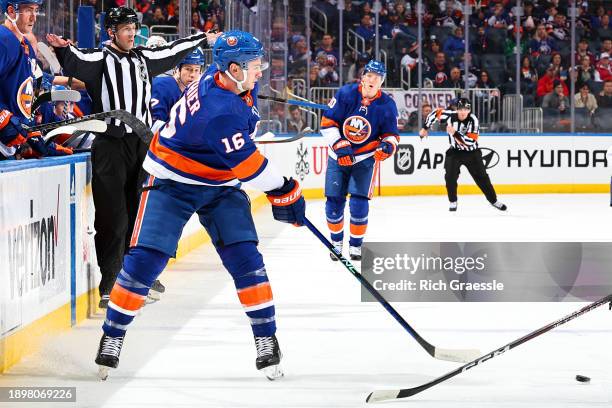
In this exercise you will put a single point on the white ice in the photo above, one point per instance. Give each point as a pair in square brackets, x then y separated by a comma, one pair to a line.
[194, 348]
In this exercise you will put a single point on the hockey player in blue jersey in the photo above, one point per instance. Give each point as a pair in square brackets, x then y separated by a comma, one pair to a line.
[360, 128]
[17, 79]
[197, 163]
[167, 90]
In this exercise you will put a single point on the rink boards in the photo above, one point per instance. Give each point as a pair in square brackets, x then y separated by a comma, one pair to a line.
[517, 163]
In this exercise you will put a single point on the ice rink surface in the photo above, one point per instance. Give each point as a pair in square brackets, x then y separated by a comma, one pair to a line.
[194, 348]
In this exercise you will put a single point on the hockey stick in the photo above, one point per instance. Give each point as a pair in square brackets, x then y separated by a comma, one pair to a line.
[270, 138]
[53, 96]
[456, 355]
[54, 64]
[127, 118]
[95, 126]
[305, 104]
[377, 396]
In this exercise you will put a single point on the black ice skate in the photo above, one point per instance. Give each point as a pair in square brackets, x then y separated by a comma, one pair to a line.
[268, 357]
[108, 354]
[452, 206]
[355, 253]
[155, 292]
[499, 206]
[338, 246]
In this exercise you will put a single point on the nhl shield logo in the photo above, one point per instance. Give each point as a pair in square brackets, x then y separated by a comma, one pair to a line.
[232, 41]
[404, 159]
[357, 129]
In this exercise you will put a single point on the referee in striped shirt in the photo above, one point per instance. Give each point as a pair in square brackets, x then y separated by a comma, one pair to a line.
[119, 76]
[462, 128]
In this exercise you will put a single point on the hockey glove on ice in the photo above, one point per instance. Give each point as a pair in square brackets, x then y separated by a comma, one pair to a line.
[386, 149]
[344, 152]
[288, 205]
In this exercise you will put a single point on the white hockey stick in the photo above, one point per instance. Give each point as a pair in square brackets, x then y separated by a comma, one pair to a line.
[56, 96]
[46, 52]
[94, 126]
[271, 138]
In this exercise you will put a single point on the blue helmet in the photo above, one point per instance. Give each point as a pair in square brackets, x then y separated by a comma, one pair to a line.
[376, 67]
[238, 47]
[195, 57]
[15, 3]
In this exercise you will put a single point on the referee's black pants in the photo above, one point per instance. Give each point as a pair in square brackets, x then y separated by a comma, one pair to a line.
[117, 176]
[456, 158]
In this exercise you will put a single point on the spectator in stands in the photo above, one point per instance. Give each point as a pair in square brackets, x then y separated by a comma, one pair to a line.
[605, 31]
[529, 21]
[431, 50]
[455, 79]
[596, 18]
[582, 51]
[296, 121]
[173, 12]
[529, 76]
[328, 76]
[366, 8]
[327, 47]
[560, 28]
[400, 9]
[479, 42]
[438, 71]
[366, 28]
[350, 15]
[196, 22]
[356, 70]
[500, 18]
[586, 72]
[478, 19]
[541, 43]
[413, 119]
[510, 45]
[450, 18]
[604, 99]
[560, 71]
[142, 6]
[450, 4]
[583, 20]
[585, 99]
[604, 69]
[315, 80]
[557, 99]
[158, 17]
[299, 55]
[392, 27]
[546, 84]
[454, 45]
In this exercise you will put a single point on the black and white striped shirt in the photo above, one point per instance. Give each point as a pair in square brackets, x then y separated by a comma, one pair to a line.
[118, 80]
[466, 132]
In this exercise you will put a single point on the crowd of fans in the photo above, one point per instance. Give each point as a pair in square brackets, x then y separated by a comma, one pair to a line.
[546, 64]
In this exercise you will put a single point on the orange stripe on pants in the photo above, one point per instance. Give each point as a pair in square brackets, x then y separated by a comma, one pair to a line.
[125, 299]
[255, 295]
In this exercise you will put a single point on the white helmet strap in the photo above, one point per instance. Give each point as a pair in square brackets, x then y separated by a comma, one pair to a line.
[239, 84]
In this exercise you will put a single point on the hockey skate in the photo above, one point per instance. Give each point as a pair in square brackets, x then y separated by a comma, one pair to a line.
[155, 292]
[338, 246]
[499, 206]
[269, 357]
[108, 354]
[355, 253]
[452, 206]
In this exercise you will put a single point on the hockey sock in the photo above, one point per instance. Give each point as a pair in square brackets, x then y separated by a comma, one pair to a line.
[334, 211]
[245, 264]
[359, 208]
[141, 266]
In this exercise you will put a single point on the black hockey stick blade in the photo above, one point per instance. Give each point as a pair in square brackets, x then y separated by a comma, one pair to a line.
[55, 96]
[270, 138]
[127, 118]
[384, 395]
[455, 355]
[295, 102]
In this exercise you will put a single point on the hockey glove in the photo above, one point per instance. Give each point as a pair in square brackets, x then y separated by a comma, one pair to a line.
[386, 149]
[344, 152]
[288, 205]
[38, 148]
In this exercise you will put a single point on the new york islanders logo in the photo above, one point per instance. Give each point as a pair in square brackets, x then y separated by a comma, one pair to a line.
[232, 41]
[25, 96]
[357, 129]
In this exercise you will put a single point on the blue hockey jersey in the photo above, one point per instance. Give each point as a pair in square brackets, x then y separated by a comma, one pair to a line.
[208, 140]
[165, 92]
[363, 122]
[17, 64]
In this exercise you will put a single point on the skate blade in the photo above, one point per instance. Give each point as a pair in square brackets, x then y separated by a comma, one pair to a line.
[273, 372]
[103, 372]
[153, 297]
